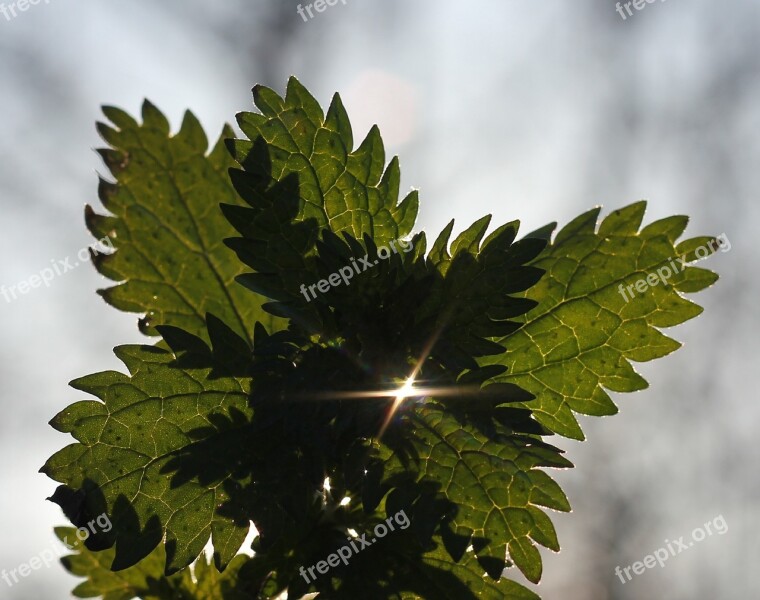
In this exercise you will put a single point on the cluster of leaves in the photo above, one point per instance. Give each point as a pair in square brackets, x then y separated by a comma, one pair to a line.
[260, 405]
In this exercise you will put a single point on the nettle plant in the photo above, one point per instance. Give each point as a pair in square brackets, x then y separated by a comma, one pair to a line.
[425, 386]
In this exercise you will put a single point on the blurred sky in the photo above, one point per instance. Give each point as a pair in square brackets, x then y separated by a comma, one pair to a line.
[529, 110]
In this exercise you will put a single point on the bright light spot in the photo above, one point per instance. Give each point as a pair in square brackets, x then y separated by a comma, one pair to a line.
[406, 390]
[245, 547]
[403, 392]
[326, 484]
[352, 532]
[345, 501]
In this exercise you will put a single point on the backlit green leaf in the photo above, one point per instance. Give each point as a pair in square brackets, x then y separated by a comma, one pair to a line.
[167, 227]
[587, 327]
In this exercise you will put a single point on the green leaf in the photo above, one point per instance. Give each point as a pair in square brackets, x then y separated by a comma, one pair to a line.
[480, 291]
[146, 579]
[301, 175]
[467, 571]
[342, 188]
[215, 427]
[431, 575]
[167, 228]
[582, 336]
[496, 485]
[127, 458]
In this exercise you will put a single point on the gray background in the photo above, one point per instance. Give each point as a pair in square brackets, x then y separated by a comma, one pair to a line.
[522, 109]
